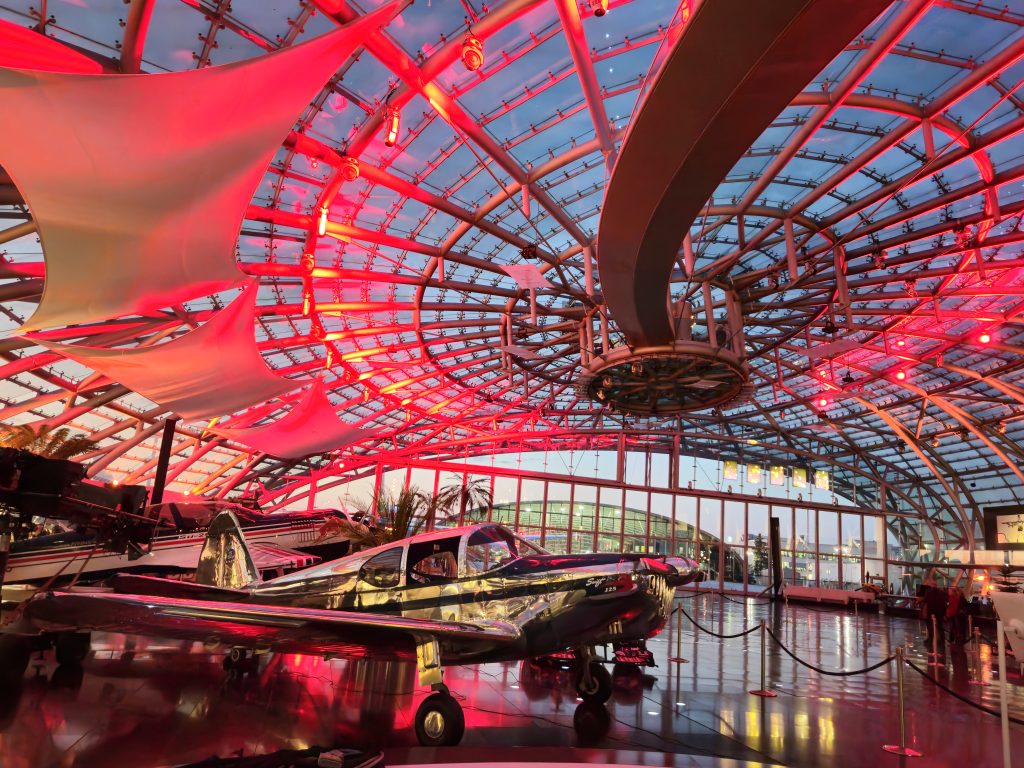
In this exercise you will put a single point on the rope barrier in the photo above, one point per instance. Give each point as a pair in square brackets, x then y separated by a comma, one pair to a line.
[839, 673]
[716, 634]
[924, 673]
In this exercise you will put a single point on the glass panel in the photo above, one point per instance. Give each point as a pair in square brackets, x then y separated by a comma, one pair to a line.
[735, 523]
[659, 470]
[505, 501]
[806, 534]
[609, 520]
[686, 526]
[531, 506]
[384, 570]
[636, 522]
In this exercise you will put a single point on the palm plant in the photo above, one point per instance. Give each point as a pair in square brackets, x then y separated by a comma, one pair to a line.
[46, 441]
[474, 495]
[387, 518]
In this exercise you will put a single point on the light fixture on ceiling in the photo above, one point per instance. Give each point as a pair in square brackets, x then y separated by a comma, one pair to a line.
[307, 302]
[599, 7]
[901, 375]
[823, 402]
[472, 52]
[348, 167]
[321, 222]
[830, 327]
[848, 379]
[314, 162]
[392, 125]
[985, 338]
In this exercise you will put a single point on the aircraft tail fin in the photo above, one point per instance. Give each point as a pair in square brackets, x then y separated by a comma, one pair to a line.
[225, 560]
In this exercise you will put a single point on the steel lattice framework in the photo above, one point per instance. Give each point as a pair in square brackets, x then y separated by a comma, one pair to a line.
[874, 231]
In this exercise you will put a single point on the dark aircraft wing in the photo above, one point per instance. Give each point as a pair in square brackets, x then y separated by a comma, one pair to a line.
[253, 625]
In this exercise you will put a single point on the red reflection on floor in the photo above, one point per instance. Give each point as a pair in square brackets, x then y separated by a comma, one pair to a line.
[147, 703]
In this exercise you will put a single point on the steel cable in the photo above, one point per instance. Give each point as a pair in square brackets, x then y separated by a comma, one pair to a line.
[923, 673]
[839, 673]
[716, 634]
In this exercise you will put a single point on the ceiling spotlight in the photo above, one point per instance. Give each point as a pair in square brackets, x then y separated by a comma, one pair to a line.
[901, 343]
[606, 381]
[528, 251]
[830, 327]
[636, 368]
[1001, 428]
[901, 375]
[601, 395]
[599, 7]
[314, 163]
[392, 125]
[306, 263]
[321, 222]
[307, 302]
[348, 167]
[823, 402]
[848, 379]
[472, 52]
[985, 338]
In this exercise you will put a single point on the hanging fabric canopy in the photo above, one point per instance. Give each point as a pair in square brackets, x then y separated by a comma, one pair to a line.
[139, 183]
[211, 371]
[311, 426]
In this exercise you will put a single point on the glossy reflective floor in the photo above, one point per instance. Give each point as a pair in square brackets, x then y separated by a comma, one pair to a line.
[150, 703]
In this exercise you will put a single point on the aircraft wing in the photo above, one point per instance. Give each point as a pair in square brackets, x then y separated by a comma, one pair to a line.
[254, 625]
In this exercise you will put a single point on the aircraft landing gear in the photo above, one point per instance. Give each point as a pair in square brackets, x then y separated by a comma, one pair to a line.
[439, 719]
[593, 683]
[239, 660]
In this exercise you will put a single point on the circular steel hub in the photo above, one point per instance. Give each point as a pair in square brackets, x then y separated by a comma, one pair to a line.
[661, 381]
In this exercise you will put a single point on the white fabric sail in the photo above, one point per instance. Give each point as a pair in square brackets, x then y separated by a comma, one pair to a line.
[139, 183]
[213, 370]
[312, 426]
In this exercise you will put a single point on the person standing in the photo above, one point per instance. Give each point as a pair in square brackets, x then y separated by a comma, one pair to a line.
[936, 602]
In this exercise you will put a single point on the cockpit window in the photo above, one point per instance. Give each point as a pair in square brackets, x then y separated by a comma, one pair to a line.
[384, 570]
[490, 548]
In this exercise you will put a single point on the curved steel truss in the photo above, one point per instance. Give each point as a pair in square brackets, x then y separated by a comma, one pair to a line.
[872, 232]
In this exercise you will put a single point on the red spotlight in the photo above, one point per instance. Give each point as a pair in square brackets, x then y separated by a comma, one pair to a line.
[599, 7]
[985, 338]
[321, 222]
[307, 302]
[901, 343]
[823, 402]
[901, 375]
[472, 52]
[392, 125]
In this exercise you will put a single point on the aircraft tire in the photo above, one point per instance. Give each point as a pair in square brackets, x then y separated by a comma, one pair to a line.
[439, 721]
[72, 648]
[601, 684]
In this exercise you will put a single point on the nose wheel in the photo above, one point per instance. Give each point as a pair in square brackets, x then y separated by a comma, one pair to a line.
[439, 720]
[594, 682]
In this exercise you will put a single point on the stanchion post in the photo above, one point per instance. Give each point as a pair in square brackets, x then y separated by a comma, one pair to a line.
[1004, 714]
[678, 658]
[980, 679]
[763, 690]
[933, 657]
[901, 749]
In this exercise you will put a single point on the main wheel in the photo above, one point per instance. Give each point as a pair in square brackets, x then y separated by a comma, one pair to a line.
[72, 647]
[598, 688]
[439, 721]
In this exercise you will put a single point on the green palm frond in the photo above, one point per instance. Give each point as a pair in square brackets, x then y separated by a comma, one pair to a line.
[45, 441]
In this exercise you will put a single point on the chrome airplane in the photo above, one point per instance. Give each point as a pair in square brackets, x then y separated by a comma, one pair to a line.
[458, 596]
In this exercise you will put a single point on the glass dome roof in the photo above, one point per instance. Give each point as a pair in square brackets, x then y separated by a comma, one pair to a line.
[905, 151]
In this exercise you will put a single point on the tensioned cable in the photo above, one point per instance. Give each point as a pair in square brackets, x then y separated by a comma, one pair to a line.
[962, 698]
[716, 634]
[833, 673]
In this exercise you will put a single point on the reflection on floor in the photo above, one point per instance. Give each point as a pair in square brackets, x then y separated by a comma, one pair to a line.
[147, 703]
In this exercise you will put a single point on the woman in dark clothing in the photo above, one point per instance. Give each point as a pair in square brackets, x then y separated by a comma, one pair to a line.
[935, 604]
[956, 615]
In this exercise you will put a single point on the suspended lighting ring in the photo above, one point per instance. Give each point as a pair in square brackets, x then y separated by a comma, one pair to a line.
[665, 380]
